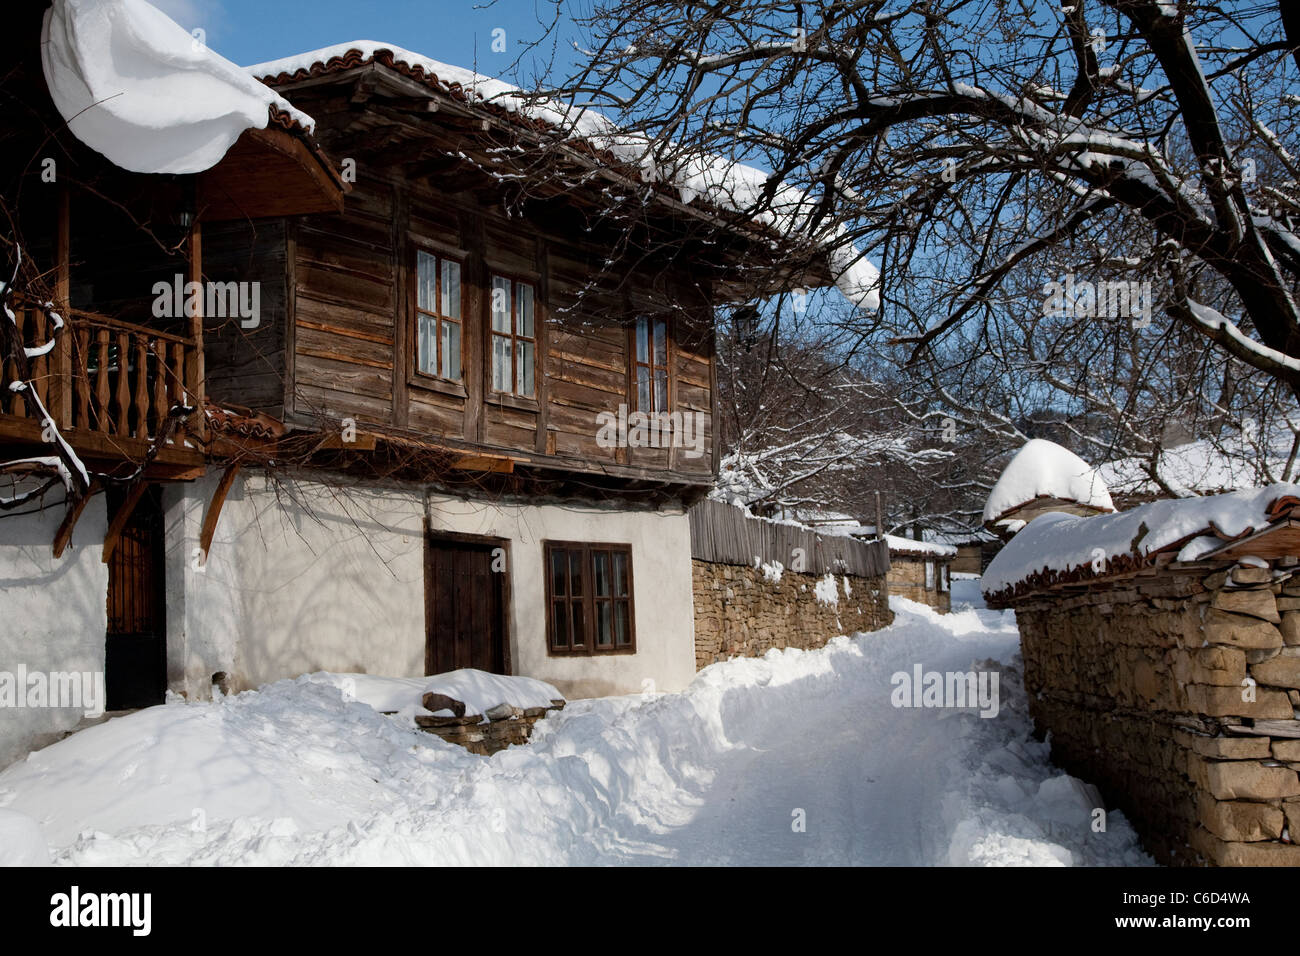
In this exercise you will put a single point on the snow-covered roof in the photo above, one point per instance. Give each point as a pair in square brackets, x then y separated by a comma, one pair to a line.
[718, 181]
[912, 546]
[1044, 470]
[1058, 546]
[133, 85]
[1200, 467]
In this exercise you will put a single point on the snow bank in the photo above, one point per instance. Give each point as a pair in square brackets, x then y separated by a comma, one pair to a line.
[1060, 542]
[297, 774]
[292, 756]
[478, 690]
[21, 841]
[720, 181]
[136, 87]
[1043, 469]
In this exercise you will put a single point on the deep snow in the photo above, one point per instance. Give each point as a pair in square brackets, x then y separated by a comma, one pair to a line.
[299, 773]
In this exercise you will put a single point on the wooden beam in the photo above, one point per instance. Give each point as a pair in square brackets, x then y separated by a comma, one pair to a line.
[75, 507]
[196, 373]
[497, 464]
[61, 391]
[214, 509]
[362, 441]
[118, 524]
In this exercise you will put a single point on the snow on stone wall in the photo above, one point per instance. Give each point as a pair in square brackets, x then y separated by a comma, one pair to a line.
[743, 612]
[52, 615]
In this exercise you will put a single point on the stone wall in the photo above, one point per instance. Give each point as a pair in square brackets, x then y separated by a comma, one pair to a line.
[907, 579]
[1175, 692]
[740, 612]
[485, 734]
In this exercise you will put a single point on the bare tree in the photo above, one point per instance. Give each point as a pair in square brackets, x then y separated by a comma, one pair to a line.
[1084, 216]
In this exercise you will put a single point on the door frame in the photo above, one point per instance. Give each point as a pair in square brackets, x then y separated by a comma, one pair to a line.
[152, 510]
[431, 536]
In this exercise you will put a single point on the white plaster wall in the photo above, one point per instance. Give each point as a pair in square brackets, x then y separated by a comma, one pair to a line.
[52, 614]
[305, 576]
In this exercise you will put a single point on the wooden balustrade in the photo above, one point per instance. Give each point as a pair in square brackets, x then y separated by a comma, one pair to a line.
[104, 376]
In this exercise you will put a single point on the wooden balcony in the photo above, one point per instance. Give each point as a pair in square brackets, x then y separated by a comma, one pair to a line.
[108, 386]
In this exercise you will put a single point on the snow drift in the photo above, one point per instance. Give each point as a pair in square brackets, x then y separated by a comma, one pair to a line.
[478, 690]
[297, 773]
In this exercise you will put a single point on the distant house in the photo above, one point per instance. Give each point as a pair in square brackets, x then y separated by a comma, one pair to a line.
[974, 552]
[460, 429]
[921, 571]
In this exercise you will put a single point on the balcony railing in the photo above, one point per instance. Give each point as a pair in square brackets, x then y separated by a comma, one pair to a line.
[104, 377]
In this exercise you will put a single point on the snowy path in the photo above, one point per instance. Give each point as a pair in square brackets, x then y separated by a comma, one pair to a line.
[714, 775]
[866, 800]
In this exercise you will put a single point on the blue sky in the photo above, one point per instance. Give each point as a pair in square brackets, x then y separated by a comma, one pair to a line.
[251, 31]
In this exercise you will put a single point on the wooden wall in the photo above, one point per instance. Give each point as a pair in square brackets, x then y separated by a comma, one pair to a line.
[349, 321]
[247, 365]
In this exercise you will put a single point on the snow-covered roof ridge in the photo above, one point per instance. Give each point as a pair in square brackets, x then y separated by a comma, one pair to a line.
[1058, 547]
[133, 85]
[722, 182]
[1042, 469]
[912, 546]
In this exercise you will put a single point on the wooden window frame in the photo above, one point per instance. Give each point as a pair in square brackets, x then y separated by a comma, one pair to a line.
[513, 397]
[588, 598]
[634, 402]
[417, 375]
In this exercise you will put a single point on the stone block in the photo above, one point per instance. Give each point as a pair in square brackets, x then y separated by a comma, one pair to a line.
[1240, 820]
[1239, 630]
[1243, 779]
[1278, 672]
[1228, 702]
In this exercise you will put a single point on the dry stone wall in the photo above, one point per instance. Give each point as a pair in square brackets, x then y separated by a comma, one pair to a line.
[1176, 692]
[741, 612]
[485, 734]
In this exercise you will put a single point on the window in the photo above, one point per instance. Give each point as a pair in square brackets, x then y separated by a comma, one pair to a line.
[651, 355]
[438, 316]
[929, 575]
[514, 337]
[589, 598]
[945, 578]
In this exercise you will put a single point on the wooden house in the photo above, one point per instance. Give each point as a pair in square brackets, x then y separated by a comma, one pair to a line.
[460, 430]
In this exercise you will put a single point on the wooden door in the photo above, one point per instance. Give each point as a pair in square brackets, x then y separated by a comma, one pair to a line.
[466, 595]
[135, 645]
